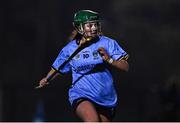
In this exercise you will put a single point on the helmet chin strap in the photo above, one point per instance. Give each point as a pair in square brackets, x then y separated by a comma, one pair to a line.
[85, 35]
[85, 38]
[80, 29]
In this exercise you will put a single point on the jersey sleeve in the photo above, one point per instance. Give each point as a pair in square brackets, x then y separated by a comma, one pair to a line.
[61, 58]
[116, 52]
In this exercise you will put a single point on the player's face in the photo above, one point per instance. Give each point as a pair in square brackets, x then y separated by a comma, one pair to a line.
[91, 29]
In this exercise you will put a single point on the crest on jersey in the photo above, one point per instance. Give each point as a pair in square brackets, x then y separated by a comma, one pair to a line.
[95, 54]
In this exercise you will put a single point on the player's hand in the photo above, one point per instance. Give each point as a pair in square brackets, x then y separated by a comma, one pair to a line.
[43, 82]
[103, 53]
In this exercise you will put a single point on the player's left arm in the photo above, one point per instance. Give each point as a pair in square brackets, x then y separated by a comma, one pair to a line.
[121, 64]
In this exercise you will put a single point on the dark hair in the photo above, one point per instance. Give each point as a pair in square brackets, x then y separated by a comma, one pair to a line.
[75, 35]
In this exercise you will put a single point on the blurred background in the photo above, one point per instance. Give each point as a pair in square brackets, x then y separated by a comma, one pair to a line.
[33, 32]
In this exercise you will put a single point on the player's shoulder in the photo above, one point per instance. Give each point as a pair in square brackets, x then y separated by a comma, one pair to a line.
[107, 39]
[70, 45]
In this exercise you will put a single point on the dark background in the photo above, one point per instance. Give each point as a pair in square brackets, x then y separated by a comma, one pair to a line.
[33, 32]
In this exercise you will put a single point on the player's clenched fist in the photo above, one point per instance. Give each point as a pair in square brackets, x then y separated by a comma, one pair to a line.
[43, 82]
[103, 53]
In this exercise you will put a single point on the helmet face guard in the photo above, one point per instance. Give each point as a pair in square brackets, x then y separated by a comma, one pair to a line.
[83, 17]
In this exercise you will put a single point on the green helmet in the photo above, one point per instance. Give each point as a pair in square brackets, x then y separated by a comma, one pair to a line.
[84, 16]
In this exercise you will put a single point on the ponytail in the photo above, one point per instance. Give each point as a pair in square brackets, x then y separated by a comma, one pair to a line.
[75, 35]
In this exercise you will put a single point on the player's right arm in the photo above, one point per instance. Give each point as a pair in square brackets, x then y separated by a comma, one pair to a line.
[57, 64]
[50, 76]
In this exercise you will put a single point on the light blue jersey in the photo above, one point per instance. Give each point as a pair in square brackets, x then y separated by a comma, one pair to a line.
[91, 77]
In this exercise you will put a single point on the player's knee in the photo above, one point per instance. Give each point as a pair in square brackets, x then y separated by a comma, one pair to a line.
[86, 111]
[88, 116]
[91, 118]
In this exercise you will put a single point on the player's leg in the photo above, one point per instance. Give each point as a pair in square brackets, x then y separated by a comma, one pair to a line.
[106, 114]
[87, 112]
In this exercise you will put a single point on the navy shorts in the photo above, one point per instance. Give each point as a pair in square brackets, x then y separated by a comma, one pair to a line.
[109, 112]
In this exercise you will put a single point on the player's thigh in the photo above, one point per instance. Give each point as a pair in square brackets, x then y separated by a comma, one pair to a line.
[86, 111]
